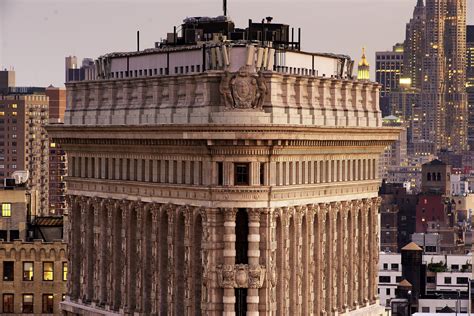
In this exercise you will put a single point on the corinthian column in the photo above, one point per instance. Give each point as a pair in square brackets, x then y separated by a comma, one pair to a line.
[254, 259]
[229, 257]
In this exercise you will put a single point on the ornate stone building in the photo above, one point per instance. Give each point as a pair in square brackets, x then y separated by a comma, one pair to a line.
[248, 187]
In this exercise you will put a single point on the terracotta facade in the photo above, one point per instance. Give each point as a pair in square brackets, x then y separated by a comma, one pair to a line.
[184, 204]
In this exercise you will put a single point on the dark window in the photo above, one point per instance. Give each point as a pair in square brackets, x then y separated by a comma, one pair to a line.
[8, 270]
[3, 235]
[455, 267]
[48, 301]
[447, 280]
[438, 178]
[462, 280]
[430, 279]
[241, 174]
[14, 234]
[27, 303]
[399, 279]
[385, 266]
[220, 173]
[7, 303]
[241, 231]
[384, 279]
[262, 173]
[387, 291]
[430, 248]
[395, 266]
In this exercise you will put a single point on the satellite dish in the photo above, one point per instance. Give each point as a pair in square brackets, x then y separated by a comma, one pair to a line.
[21, 177]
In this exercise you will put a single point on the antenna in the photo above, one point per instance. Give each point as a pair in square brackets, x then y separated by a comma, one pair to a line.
[224, 7]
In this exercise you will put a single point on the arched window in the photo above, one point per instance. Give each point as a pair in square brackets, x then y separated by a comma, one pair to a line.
[438, 178]
[428, 176]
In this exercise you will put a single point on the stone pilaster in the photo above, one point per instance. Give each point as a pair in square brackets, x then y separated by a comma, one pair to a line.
[229, 257]
[171, 267]
[188, 262]
[154, 260]
[254, 258]
[267, 254]
[95, 258]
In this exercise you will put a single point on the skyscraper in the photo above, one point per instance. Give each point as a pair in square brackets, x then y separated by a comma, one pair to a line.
[443, 94]
[470, 82]
[388, 72]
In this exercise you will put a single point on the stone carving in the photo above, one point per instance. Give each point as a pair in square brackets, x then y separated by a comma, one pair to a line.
[240, 276]
[244, 90]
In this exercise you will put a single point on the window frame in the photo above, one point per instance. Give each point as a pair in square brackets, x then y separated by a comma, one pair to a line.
[237, 176]
[45, 307]
[6, 210]
[45, 273]
[11, 310]
[65, 271]
[23, 304]
[13, 271]
[31, 278]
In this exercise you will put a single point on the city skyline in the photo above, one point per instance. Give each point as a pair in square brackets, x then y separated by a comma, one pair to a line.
[58, 36]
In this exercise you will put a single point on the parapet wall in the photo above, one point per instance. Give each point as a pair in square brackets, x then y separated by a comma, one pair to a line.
[216, 97]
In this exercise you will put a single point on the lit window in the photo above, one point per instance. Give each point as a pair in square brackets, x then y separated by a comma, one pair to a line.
[6, 210]
[27, 271]
[14, 106]
[14, 113]
[64, 271]
[48, 274]
[52, 145]
[27, 303]
[2, 113]
[48, 303]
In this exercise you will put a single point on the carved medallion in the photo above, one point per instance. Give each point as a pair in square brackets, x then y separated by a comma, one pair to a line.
[244, 90]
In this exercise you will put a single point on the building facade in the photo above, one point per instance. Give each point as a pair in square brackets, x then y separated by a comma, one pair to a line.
[34, 276]
[470, 82]
[57, 156]
[388, 72]
[224, 190]
[24, 141]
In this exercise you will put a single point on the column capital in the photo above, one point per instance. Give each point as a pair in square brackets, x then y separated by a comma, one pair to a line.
[230, 214]
[254, 214]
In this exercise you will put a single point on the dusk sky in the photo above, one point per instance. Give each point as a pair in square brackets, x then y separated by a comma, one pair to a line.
[36, 35]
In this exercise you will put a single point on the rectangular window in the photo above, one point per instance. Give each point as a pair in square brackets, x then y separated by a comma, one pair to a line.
[241, 173]
[384, 279]
[48, 303]
[3, 235]
[27, 303]
[387, 291]
[220, 173]
[447, 280]
[462, 280]
[455, 267]
[8, 270]
[395, 266]
[430, 279]
[7, 303]
[6, 210]
[48, 271]
[28, 271]
[64, 271]
[14, 234]
[385, 266]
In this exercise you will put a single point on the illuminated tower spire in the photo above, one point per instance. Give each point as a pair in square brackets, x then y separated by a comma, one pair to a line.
[363, 72]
